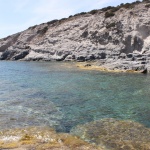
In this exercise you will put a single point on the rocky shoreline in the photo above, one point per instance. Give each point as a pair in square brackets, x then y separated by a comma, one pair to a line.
[105, 134]
[116, 37]
[41, 138]
[116, 66]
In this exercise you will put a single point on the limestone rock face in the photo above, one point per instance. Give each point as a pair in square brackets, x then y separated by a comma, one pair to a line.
[87, 36]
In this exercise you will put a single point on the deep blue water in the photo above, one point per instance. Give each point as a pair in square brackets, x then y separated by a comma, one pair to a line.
[62, 96]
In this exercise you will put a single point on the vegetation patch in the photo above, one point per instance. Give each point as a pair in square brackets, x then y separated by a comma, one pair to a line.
[110, 11]
[122, 5]
[109, 14]
[52, 22]
[107, 8]
[82, 13]
[113, 24]
[84, 34]
[93, 11]
[115, 9]
[42, 31]
[33, 27]
[62, 19]
[128, 6]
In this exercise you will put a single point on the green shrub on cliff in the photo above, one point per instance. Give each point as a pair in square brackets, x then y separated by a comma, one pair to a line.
[82, 13]
[42, 31]
[110, 25]
[33, 27]
[128, 6]
[52, 22]
[93, 11]
[115, 9]
[107, 8]
[109, 14]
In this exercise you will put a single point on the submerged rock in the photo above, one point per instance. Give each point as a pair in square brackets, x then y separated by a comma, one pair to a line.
[115, 134]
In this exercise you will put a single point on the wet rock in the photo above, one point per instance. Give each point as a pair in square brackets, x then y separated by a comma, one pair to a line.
[144, 71]
[90, 57]
[41, 138]
[69, 58]
[7, 55]
[21, 55]
[87, 65]
[115, 134]
[81, 58]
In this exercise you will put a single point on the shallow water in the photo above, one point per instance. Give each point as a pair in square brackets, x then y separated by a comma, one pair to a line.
[62, 96]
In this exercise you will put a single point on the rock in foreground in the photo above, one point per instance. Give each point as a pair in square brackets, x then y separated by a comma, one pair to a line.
[115, 135]
[37, 138]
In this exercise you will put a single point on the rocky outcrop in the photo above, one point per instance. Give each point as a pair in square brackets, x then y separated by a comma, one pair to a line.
[41, 138]
[115, 134]
[117, 36]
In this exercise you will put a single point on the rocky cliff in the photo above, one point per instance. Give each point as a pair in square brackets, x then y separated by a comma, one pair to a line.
[116, 37]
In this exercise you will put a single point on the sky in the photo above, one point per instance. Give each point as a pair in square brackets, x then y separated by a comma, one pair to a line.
[18, 15]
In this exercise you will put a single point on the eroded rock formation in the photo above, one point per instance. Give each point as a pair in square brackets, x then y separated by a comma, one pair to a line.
[118, 37]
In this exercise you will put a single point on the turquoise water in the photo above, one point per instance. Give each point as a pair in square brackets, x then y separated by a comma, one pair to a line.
[62, 96]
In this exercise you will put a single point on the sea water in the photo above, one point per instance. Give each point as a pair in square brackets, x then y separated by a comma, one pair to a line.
[62, 96]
